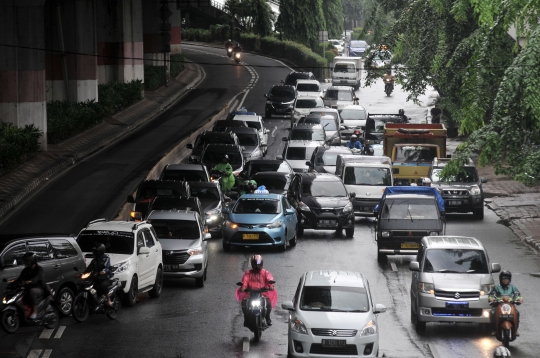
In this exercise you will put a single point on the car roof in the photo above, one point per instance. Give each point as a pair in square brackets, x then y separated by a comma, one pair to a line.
[173, 215]
[310, 177]
[261, 196]
[126, 226]
[307, 81]
[334, 278]
[247, 130]
[409, 196]
[347, 88]
[451, 242]
[227, 147]
[333, 110]
[271, 174]
[307, 126]
[193, 167]
[209, 133]
[246, 118]
[303, 143]
[336, 149]
[354, 106]
[6, 239]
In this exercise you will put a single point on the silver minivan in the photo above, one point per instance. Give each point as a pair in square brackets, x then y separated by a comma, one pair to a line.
[451, 280]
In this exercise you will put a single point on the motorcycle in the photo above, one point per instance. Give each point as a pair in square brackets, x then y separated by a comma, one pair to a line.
[388, 86]
[237, 57]
[87, 302]
[16, 311]
[229, 52]
[506, 320]
[256, 305]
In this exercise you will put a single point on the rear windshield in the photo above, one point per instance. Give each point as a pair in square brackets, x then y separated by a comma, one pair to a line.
[455, 261]
[345, 68]
[467, 175]
[150, 190]
[215, 157]
[177, 229]
[334, 298]
[185, 175]
[308, 87]
[168, 203]
[116, 242]
[307, 134]
[324, 188]
[282, 92]
[205, 193]
[339, 95]
[271, 183]
[418, 153]
[410, 209]
[324, 113]
[367, 176]
[308, 103]
[279, 167]
[248, 139]
[293, 77]
[203, 141]
[352, 114]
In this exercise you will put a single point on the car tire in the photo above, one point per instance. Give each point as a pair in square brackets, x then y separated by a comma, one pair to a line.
[300, 232]
[292, 241]
[199, 281]
[267, 114]
[283, 247]
[130, 297]
[381, 258]
[155, 292]
[478, 213]
[10, 321]
[65, 298]
[420, 326]
[54, 323]
[226, 246]
[349, 232]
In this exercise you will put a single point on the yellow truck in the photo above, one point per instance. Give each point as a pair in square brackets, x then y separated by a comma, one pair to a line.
[412, 148]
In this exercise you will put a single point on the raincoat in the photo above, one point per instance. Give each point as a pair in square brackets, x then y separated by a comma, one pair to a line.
[257, 280]
[227, 181]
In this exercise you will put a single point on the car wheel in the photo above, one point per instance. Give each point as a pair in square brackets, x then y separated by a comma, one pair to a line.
[199, 281]
[420, 326]
[226, 246]
[65, 301]
[205, 271]
[479, 213]
[131, 296]
[413, 317]
[292, 241]
[381, 258]
[284, 246]
[349, 232]
[155, 292]
[300, 232]
[267, 114]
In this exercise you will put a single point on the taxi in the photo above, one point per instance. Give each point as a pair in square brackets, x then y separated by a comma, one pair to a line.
[260, 219]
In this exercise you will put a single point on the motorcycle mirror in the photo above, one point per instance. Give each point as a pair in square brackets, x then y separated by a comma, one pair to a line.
[239, 284]
[271, 282]
[379, 308]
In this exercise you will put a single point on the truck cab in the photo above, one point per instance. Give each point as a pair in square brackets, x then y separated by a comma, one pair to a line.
[346, 71]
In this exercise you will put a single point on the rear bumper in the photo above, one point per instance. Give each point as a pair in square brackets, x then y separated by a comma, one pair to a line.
[312, 221]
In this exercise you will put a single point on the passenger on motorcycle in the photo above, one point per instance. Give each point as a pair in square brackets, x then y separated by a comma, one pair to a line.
[248, 187]
[257, 278]
[228, 44]
[504, 289]
[228, 180]
[354, 143]
[33, 279]
[237, 48]
[101, 267]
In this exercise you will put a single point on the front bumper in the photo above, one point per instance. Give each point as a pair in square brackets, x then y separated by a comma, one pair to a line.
[263, 236]
[310, 345]
[462, 204]
[125, 279]
[180, 265]
[364, 207]
[344, 81]
[433, 309]
[326, 220]
[279, 110]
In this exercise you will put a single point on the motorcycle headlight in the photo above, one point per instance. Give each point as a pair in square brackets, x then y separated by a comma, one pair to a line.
[348, 208]
[298, 326]
[256, 303]
[369, 329]
[385, 234]
[506, 309]
[195, 251]
[304, 207]
[11, 300]
[237, 55]
[121, 267]
[426, 287]
[213, 214]
[275, 225]
[433, 233]
[231, 224]
[475, 190]
[485, 289]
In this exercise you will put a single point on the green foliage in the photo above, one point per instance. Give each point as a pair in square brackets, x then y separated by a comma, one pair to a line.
[17, 144]
[153, 77]
[252, 15]
[301, 21]
[177, 64]
[202, 35]
[220, 32]
[333, 16]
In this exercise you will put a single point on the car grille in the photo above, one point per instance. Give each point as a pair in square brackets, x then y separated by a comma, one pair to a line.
[264, 238]
[327, 332]
[348, 350]
[175, 258]
[409, 234]
[252, 226]
[454, 295]
[450, 192]
[335, 211]
[474, 312]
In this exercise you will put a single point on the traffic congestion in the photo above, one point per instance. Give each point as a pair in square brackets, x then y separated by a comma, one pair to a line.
[312, 220]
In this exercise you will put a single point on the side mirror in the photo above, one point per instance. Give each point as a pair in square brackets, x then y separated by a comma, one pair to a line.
[289, 212]
[288, 305]
[285, 139]
[189, 146]
[225, 210]
[130, 199]
[379, 308]
[144, 251]
[266, 131]
[308, 163]
[414, 266]
[495, 268]
[207, 236]
[279, 157]
[483, 180]
[352, 195]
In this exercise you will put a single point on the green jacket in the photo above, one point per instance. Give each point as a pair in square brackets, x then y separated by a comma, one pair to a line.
[511, 291]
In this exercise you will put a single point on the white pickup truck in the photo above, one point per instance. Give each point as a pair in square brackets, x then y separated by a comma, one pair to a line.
[346, 71]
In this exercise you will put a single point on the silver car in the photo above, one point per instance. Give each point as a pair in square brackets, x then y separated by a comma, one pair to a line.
[333, 315]
[451, 280]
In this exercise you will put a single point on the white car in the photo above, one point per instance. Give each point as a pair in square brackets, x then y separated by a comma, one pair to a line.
[303, 105]
[338, 45]
[257, 123]
[135, 254]
[333, 315]
[354, 116]
[308, 88]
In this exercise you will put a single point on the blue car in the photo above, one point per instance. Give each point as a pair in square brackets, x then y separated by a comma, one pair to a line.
[357, 48]
[260, 220]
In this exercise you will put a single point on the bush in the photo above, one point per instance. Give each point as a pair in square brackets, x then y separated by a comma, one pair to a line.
[17, 144]
[153, 77]
[219, 32]
[177, 64]
[202, 35]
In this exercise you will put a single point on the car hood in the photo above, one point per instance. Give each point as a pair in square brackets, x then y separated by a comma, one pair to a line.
[354, 123]
[298, 164]
[331, 134]
[326, 169]
[209, 204]
[178, 244]
[454, 185]
[115, 258]
[252, 218]
[338, 320]
[325, 202]
[457, 281]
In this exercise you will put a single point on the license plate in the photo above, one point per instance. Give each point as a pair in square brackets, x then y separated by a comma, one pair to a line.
[343, 81]
[509, 317]
[250, 236]
[457, 305]
[280, 110]
[327, 223]
[454, 202]
[410, 245]
[334, 343]
[171, 267]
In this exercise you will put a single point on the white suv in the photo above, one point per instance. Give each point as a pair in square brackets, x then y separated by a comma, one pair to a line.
[135, 254]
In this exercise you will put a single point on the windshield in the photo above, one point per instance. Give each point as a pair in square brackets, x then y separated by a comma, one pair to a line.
[358, 44]
[116, 242]
[329, 124]
[307, 134]
[147, 191]
[334, 298]
[248, 139]
[329, 158]
[418, 153]
[187, 175]
[203, 141]
[367, 176]
[338, 95]
[271, 182]
[220, 126]
[268, 167]
[211, 157]
[353, 114]
[257, 206]
[324, 188]
[323, 113]
[455, 261]
[176, 229]
[345, 68]
[309, 103]
[293, 77]
[254, 124]
[308, 87]
[205, 193]
[410, 209]
[467, 175]
[375, 126]
[287, 93]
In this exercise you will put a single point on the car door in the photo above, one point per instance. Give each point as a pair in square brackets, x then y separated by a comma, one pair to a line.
[46, 258]
[13, 263]
[68, 257]
[144, 264]
[154, 254]
[416, 276]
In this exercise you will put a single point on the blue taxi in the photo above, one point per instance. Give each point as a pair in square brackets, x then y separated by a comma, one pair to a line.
[260, 219]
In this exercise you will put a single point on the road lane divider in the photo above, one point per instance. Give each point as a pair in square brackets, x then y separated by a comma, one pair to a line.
[59, 332]
[393, 266]
[245, 345]
[47, 353]
[46, 334]
[35, 353]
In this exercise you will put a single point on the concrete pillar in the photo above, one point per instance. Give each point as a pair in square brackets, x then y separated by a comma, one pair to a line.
[176, 30]
[151, 34]
[120, 40]
[22, 64]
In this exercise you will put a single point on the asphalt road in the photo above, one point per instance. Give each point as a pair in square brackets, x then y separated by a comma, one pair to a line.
[207, 322]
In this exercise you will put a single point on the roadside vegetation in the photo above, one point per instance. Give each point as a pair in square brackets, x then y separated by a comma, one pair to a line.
[17, 144]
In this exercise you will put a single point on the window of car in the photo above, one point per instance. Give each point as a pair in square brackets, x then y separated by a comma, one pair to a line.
[409, 209]
[328, 158]
[308, 87]
[148, 191]
[467, 175]
[42, 250]
[334, 298]
[324, 188]
[140, 240]
[296, 153]
[272, 182]
[283, 92]
[116, 242]
[352, 114]
[455, 261]
[14, 255]
[358, 44]
[254, 124]
[415, 153]
[248, 139]
[257, 206]
[185, 175]
[328, 123]
[344, 67]
[203, 141]
[205, 193]
[367, 176]
[285, 203]
[307, 134]
[325, 113]
[297, 293]
[154, 232]
[304, 103]
[63, 248]
[149, 239]
[177, 229]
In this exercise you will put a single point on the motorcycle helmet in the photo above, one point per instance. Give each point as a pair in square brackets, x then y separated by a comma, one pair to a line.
[505, 274]
[256, 262]
[98, 250]
[354, 137]
[358, 132]
[225, 156]
[29, 259]
[426, 181]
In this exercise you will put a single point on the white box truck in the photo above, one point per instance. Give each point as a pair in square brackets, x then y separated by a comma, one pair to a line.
[346, 71]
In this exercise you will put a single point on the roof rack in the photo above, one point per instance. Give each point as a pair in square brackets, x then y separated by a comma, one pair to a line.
[136, 225]
[96, 221]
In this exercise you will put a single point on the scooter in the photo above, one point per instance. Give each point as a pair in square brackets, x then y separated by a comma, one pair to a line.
[256, 308]
[506, 320]
[388, 86]
[229, 52]
[237, 57]
[16, 311]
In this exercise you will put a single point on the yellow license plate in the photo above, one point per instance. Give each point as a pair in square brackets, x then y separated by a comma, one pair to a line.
[410, 245]
[250, 236]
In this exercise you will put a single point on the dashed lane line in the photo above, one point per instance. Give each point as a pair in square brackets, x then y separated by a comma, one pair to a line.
[46, 334]
[434, 350]
[393, 266]
[60, 332]
[34, 353]
[246, 344]
[47, 353]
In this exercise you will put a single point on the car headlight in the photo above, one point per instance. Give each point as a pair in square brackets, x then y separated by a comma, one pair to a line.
[304, 207]
[426, 287]
[231, 224]
[298, 326]
[369, 329]
[213, 214]
[121, 267]
[385, 234]
[485, 289]
[275, 225]
[433, 233]
[348, 208]
[475, 190]
[195, 251]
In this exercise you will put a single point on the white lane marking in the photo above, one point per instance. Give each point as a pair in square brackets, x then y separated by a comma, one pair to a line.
[433, 350]
[393, 266]
[47, 353]
[243, 99]
[59, 332]
[35, 353]
[46, 334]
[246, 344]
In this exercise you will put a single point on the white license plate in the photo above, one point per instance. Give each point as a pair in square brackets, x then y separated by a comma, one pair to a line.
[454, 202]
[327, 223]
[171, 267]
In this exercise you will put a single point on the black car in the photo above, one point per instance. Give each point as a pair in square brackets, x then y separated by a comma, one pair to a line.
[275, 183]
[148, 190]
[322, 203]
[280, 101]
[222, 125]
[185, 172]
[292, 77]
[265, 165]
[375, 123]
[57, 254]
[213, 154]
[250, 142]
[324, 158]
[212, 201]
[307, 131]
[211, 137]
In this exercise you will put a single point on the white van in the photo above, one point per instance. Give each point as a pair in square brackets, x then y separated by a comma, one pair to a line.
[346, 71]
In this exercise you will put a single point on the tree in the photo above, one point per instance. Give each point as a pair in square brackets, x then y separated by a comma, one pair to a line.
[333, 15]
[262, 16]
[301, 21]
[352, 10]
[252, 15]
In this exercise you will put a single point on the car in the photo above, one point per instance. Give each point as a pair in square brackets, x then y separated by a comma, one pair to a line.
[330, 125]
[322, 203]
[260, 220]
[451, 281]
[302, 105]
[177, 203]
[323, 159]
[380, 59]
[134, 251]
[222, 124]
[292, 77]
[357, 48]
[183, 237]
[211, 137]
[338, 45]
[462, 193]
[308, 88]
[339, 96]
[333, 315]
[148, 190]
[57, 254]
[275, 183]
[298, 152]
[185, 172]
[213, 154]
[250, 142]
[212, 201]
[376, 122]
[353, 117]
[279, 101]
[257, 123]
[307, 131]
[265, 165]
[240, 111]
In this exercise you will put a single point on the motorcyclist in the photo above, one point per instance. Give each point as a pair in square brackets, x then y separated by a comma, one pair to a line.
[248, 187]
[33, 279]
[504, 289]
[257, 278]
[354, 143]
[390, 77]
[228, 44]
[237, 48]
[227, 181]
[101, 267]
